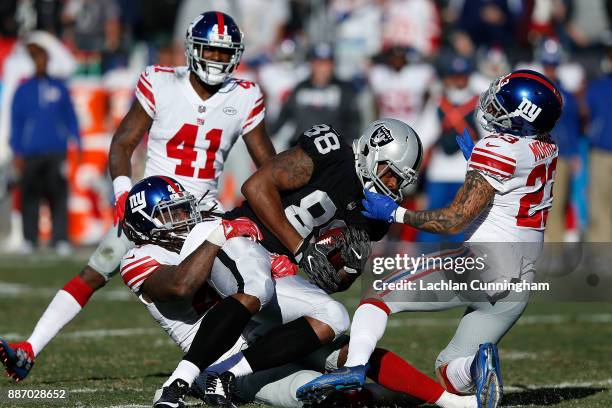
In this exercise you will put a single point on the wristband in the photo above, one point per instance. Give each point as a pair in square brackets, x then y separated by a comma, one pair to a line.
[121, 184]
[297, 253]
[217, 236]
[399, 215]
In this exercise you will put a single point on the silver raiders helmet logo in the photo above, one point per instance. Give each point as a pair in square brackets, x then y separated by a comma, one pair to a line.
[381, 136]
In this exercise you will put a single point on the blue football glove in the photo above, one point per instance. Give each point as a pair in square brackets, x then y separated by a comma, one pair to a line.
[466, 144]
[379, 206]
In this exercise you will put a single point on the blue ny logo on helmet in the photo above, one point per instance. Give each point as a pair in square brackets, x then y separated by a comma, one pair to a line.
[213, 29]
[523, 103]
[159, 209]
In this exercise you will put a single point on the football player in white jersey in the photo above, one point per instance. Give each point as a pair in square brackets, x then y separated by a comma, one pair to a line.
[505, 199]
[193, 115]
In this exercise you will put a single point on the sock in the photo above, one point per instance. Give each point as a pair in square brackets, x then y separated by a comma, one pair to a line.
[282, 345]
[448, 400]
[457, 373]
[236, 364]
[66, 304]
[218, 331]
[368, 327]
[241, 368]
[392, 372]
[186, 371]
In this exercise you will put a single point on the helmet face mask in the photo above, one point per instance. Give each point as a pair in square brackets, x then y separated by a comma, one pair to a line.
[177, 216]
[495, 118]
[210, 31]
[388, 145]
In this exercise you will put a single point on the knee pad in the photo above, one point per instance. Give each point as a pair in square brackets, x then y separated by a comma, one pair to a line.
[106, 258]
[335, 315]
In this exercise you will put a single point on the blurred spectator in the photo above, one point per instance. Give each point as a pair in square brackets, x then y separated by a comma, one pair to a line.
[8, 22]
[43, 118]
[453, 111]
[401, 88]
[600, 135]
[566, 133]
[484, 22]
[321, 98]
[588, 20]
[356, 27]
[94, 24]
[492, 63]
[411, 24]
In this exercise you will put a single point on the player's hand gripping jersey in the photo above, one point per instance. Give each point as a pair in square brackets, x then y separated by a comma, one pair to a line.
[333, 193]
[190, 138]
[522, 170]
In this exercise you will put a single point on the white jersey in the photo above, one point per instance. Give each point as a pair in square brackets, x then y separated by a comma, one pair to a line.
[190, 138]
[522, 171]
[400, 94]
[181, 318]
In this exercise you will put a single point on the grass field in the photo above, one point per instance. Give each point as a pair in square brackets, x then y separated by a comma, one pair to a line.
[114, 354]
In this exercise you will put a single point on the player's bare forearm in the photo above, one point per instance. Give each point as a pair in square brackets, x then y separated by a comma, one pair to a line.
[259, 145]
[472, 198]
[288, 170]
[169, 283]
[129, 133]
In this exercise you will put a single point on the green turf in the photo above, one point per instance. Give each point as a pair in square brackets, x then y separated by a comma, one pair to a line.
[124, 370]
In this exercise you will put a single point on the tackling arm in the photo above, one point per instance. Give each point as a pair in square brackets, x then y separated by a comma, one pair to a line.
[288, 170]
[472, 198]
[259, 144]
[171, 282]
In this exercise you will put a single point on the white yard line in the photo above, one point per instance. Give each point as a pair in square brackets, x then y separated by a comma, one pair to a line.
[95, 334]
[588, 384]
[523, 321]
[20, 290]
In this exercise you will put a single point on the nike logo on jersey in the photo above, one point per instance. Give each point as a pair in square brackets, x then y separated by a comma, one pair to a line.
[309, 258]
[489, 144]
[130, 257]
[356, 253]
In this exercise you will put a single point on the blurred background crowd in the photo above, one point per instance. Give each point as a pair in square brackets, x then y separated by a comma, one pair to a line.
[344, 62]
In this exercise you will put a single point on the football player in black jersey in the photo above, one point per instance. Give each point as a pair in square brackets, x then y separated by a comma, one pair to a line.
[293, 197]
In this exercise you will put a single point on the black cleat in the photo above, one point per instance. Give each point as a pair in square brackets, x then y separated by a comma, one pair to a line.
[172, 396]
[220, 389]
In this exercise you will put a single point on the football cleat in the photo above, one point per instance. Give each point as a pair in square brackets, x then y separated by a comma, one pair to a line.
[345, 378]
[172, 396]
[486, 374]
[18, 359]
[219, 389]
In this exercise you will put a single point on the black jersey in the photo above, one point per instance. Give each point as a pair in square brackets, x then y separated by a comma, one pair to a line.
[333, 194]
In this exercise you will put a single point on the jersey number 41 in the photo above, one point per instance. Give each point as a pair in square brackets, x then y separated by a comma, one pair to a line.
[182, 147]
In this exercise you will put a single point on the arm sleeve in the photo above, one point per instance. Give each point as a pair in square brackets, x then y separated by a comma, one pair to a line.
[17, 122]
[145, 91]
[495, 160]
[256, 112]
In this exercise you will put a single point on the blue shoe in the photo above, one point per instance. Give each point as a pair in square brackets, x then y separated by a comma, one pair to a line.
[17, 358]
[486, 373]
[346, 378]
